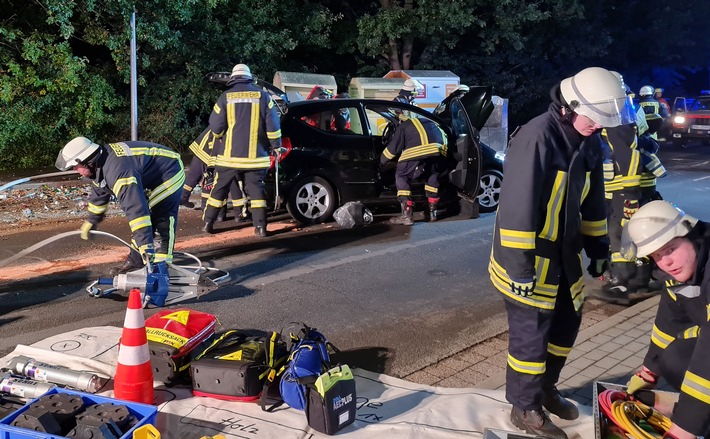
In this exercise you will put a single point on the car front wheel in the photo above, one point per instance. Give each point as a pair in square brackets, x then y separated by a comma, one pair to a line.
[489, 193]
[312, 201]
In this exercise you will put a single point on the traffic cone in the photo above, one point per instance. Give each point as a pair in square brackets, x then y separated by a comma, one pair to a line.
[134, 376]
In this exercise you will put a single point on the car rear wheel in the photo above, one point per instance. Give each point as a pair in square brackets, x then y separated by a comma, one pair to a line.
[312, 201]
[489, 193]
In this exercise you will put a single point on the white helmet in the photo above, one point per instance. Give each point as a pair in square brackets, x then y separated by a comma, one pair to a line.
[412, 85]
[646, 90]
[654, 225]
[597, 94]
[241, 70]
[75, 152]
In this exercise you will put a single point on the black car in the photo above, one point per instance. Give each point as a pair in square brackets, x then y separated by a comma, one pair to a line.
[329, 163]
[691, 120]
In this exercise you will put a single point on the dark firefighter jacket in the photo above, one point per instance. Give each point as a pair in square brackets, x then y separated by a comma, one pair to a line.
[140, 175]
[684, 312]
[203, 147]
[246, 117]
[551, 210]
[415, 139]
[652, 108]
[622, 162]
[651, 164]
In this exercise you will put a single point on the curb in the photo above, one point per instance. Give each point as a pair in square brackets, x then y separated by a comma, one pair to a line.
[498, 381]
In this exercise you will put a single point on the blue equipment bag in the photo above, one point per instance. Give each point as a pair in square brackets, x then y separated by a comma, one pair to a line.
[309, 358]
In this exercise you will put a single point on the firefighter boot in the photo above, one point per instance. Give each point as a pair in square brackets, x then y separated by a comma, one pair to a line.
[536, 422]
[222, 215]
[557, 405]
[185, 200]
[133, 262]
[433, 209]
[619, 286]
[208, 227]
[406, 217]
[258, 218]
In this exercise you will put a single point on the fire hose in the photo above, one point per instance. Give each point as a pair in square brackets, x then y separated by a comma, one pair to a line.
[160, 283]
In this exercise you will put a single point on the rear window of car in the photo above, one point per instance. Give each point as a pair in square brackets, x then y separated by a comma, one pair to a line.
[340, 121]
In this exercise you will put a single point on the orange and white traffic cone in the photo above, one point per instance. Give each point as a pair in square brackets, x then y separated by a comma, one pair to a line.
[134, 376]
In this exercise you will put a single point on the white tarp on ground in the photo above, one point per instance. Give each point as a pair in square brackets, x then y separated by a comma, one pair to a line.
[387, 406]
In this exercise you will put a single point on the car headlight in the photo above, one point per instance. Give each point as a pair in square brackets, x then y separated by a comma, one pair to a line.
[500, 156]
[679, 120]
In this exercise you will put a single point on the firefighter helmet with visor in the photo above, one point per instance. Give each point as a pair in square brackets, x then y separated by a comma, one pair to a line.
[598, 94]
[78, 151]
[654, 225]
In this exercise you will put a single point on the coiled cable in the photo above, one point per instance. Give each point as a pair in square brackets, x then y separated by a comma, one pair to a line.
[636, 419]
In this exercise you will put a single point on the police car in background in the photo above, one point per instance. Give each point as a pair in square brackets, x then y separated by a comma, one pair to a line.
[691, 119]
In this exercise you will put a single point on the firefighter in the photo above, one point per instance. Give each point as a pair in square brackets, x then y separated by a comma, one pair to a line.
[146, 179]
[419, 147]
[247, 118]
[680, 340]
[655, 112]
[409, 91]
[622, 185]
[202, 170]
[549, 213]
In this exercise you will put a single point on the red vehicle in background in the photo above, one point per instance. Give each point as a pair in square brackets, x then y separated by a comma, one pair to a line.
[691, 120]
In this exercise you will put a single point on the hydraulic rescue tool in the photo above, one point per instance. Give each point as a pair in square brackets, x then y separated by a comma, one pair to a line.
[23, 387]
[48, 373]
[160, 283]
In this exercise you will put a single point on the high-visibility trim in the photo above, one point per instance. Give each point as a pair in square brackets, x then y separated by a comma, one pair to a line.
[215, 202]
[140, 223]
[134, 318]
[432, 189]
[257, 204]
[631, 181]
[691, 332]
[420, 151]
[121, 183]
[166, 337]
[526, 367]
[501, 281]
[155, 152]
[616, 184]
[520, 239]
[608, 168]
[167, 188]
[559, 351]
[420, 129]
[388, 155]
[616, 257]
[216, 109]
[133, 355]
[696, 386]
[554, 205]
[660, 338]
[96, 209]
[404, 193]
[243, 162]
[240, 202]
[593, 228]
[273, 135]
[587, 185]
[254, 130]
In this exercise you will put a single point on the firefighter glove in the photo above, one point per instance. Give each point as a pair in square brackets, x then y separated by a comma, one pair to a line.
[597, 267]
[278, 152]
[644, 379]
[86, 227]
[630, 208]
[523, 287]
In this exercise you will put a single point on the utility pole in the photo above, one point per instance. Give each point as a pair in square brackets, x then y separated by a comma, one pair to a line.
[134, 79]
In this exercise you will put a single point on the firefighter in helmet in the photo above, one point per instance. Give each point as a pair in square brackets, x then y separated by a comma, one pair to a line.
[655, 112]
[146, 179]
[551, 211]
[680, 340]
[247, 118]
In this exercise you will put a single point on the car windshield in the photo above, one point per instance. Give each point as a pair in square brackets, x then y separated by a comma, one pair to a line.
[702, 104]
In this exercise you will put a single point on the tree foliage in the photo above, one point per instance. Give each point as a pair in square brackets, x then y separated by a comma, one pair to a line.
[65, 64]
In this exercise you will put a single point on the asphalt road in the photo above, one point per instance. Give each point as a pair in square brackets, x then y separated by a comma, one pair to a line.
[395, 299]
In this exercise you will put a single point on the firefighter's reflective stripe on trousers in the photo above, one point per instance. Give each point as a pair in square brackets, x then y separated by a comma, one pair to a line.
[528, 367]
[560, 351]
[96, 209]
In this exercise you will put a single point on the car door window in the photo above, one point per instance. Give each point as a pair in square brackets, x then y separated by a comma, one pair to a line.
[340, 120]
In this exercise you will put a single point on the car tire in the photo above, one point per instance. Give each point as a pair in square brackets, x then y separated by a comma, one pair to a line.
[489, 193]
[312, 200]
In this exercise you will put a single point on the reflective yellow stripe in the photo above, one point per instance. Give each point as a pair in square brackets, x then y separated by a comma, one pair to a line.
[433, 189]
[243, 162]
[121, 183]
[501, 281]
[404, 193]
[593, 228]
[140, 222]
[517, 239]
[527, 367]
[559, 351]
[422, 132]
[254, 130]
[585, 189]
[691, 332]
[550, 230]
[660, 338]
[96, 209]
[167, 188]
[215, 202]
[216, 109]
[696, 386]
[239, 203]
[388, 154]
[272, 135]
[420, 151]
[616, 257]
[155, 152]
[256, 204]
[631, 181]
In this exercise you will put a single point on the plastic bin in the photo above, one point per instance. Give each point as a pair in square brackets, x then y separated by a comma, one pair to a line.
[144, 414]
